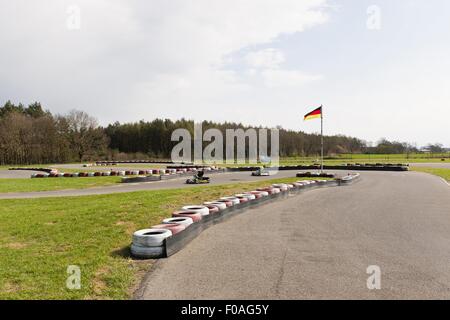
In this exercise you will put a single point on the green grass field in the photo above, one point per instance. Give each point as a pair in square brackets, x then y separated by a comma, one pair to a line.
[51, 184]
[441, 172]
[40, 238]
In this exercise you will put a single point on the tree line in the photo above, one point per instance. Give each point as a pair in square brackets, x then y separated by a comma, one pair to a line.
[30, 134]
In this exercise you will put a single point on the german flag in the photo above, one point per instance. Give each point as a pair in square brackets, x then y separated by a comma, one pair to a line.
[317, 113]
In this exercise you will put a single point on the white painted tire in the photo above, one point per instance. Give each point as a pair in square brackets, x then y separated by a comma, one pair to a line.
[219, 205]
[204, 211]
[150, 237]
[185, 221]
[281, 186]
[276, 190]
[233, 200]
[146, 252]
[121, 173]
[249, 196]
[263, 193]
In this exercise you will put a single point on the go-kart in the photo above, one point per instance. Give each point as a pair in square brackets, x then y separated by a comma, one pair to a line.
[198, 179]
[260, 173]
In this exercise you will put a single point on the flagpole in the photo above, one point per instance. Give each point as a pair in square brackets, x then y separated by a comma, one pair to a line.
[321, 139]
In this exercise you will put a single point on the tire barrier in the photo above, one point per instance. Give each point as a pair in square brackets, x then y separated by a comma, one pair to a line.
[167, 174]
[185, 221]
[202, 210]
[248, 196]
[233, 200]
[146, 252]
[164, 242]
[54, 174]
[46, 170]
[212, 209]
[116, 162]
[149, 243]
[310, 174]
[138, 175]
[173, 227]
[348, 166]
[194, 215]
[219, 205]
[150, 237]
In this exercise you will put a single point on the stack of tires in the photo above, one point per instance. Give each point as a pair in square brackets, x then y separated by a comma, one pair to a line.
[149, 243]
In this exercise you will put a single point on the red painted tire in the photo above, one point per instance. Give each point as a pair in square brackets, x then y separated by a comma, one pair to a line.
[203, 210]
[194, 215]
[261, 193]
[243, 200]
[185, 221]
[281, 186]
[212, 209]
[228, 203]
[269, 190]
[246, 195]
[174, 227]
[233, 200]
[257, 194]
[219, 205]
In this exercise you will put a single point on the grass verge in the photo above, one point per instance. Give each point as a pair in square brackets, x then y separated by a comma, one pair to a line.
[40, 238]
[441, 172]
[51, 184]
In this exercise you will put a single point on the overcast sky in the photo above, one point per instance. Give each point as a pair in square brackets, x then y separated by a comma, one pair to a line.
[379, 71]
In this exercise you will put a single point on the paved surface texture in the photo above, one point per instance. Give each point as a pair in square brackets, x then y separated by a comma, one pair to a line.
[216, 178]
[16, 174]
[318, 245]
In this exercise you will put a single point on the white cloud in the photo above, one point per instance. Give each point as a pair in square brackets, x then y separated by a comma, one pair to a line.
[267, 58]
[267, 64]
[276, 78]
[141, 59]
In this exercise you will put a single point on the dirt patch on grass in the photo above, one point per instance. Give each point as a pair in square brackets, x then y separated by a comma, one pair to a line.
[141, 268]
[11, 287]
[98, 284]
[15, 245]
[129, 226]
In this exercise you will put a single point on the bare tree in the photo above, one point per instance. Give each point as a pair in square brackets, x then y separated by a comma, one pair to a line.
[83, 133]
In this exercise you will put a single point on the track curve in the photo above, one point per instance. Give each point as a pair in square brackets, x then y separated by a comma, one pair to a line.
[318, 245]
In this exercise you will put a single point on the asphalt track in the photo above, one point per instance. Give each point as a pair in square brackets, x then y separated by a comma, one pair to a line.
[318, 245]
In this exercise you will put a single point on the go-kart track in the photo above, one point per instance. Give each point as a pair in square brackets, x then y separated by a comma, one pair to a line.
[315, 245]
[319, 245]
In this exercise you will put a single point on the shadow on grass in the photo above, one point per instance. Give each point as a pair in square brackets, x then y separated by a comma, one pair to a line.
[124, 252]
